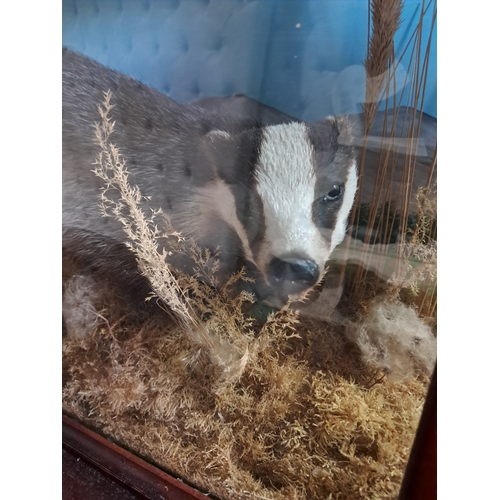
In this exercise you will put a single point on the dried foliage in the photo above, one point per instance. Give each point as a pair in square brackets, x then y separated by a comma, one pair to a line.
[408, 237]
[386, 19]
[79, 305]
[393, 339]
[418, 255]
[304, 421]
[142, 233]
[189, 298]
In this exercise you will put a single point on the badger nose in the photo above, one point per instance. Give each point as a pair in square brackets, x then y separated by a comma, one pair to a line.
[293, 275]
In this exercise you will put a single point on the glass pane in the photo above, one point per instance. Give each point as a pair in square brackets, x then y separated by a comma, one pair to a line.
[250, 237]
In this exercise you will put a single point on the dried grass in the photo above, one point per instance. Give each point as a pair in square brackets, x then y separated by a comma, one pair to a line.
[386, 19]
[304, 421]
[415, 249]
[185, 297]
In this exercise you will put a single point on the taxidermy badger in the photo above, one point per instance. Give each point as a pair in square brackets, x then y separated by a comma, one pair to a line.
[272, 193]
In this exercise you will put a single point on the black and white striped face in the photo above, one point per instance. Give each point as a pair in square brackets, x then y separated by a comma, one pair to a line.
[286, 190]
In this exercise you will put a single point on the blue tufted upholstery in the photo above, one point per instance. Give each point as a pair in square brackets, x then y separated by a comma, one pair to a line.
[302, 57]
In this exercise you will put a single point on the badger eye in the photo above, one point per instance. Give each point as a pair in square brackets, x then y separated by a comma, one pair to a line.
[335, 193]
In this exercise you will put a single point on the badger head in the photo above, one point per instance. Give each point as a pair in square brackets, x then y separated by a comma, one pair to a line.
[286, 192]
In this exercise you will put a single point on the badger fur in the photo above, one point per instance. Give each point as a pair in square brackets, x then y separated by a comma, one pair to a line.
[269, 191]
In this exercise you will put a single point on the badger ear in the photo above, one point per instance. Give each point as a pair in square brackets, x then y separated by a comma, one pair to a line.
[216, 143]
[220, 149]
[328, 134]
[345, 128]
[218, 135]
[232, 156]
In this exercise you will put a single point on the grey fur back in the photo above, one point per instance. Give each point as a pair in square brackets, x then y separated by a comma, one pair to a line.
[162, 143]
[157, 137]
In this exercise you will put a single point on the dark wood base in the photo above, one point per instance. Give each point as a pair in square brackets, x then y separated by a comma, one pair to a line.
[420, 479]
[96, 469]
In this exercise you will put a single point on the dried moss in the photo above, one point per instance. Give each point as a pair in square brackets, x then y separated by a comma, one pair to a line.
[303, 421]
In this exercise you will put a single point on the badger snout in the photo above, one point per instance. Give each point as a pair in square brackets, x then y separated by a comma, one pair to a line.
[293, 274]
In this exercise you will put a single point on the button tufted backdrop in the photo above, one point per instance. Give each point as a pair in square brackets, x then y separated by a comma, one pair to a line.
[304, 57]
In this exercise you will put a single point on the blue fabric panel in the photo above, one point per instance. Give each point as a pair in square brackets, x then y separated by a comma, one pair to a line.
[411, 19]
[187, 49]
[304, 57]
[316, 54]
